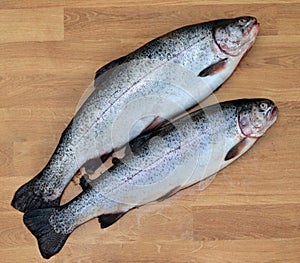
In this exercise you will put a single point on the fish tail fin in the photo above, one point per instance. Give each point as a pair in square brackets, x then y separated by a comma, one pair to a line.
[38, 222]
[26, 198]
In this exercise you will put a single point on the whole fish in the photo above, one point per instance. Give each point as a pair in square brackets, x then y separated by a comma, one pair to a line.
[162, 162]
[135, 93]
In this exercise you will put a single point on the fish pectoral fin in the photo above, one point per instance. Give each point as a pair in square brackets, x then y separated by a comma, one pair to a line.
[107, 220]
[213, 69]
[168, 194]
[236, 150]
[206, 182]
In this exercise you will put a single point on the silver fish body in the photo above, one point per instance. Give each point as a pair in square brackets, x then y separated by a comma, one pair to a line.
[173, 157]
[135, 93]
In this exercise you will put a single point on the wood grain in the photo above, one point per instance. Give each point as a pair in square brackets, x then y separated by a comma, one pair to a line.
[40, 24]
[49, 51]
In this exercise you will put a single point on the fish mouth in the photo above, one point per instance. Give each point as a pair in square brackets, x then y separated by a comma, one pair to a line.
[253, 25]
[253, 32]
[256, 27]
[273, 114]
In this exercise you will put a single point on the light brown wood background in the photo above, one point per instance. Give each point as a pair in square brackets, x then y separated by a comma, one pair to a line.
[49, 51]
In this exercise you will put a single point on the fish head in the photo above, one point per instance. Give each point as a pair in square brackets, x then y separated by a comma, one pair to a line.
[256, 116]
[236, 36]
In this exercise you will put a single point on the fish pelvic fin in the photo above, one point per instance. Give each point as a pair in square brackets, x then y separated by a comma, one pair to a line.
[26, 198]
[49, 241]
[107, 220]
[236, 150]
[93, 164]
[203, 184]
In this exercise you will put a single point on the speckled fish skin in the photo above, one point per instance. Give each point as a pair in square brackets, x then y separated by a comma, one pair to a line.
[161, 163]
[160, 80]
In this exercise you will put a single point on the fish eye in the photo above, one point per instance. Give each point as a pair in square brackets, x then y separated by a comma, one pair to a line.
[263, 106]
[243, 21]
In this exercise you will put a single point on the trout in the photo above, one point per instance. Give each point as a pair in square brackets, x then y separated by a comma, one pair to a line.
[175, 156]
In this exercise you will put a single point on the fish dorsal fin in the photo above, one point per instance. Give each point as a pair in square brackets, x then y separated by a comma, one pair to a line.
[107, 220]
[206, 182]
[237, 149]
[213, 69]
[92, 87]
[110, 65]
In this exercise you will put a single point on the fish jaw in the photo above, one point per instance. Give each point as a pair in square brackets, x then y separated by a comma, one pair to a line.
[253, 34]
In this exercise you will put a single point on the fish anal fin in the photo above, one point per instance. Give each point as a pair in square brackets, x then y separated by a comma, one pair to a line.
[213, 69]
[85, 182]
[168, 194]
[236, 150]
[116, 160]
[206, 182]
[107, 220]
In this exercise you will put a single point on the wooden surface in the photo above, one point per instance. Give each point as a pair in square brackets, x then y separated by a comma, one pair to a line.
[49, 51]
